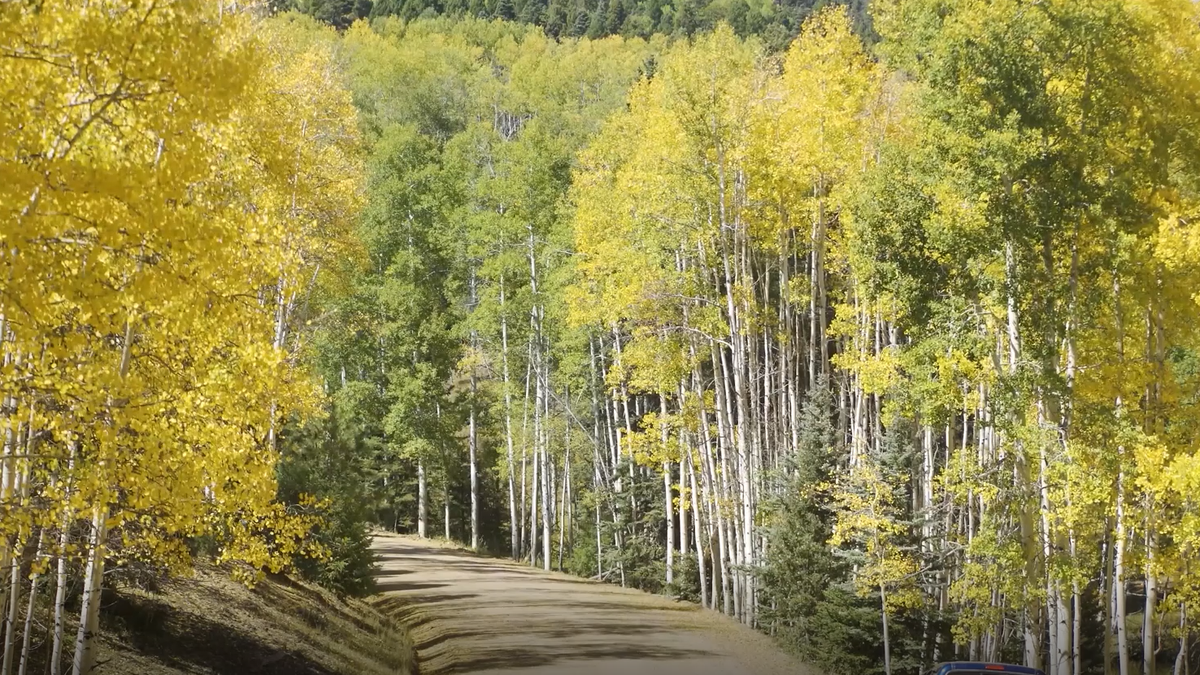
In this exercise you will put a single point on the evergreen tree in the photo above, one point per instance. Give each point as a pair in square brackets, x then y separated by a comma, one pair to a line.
[596, 21]
[614, 17]
[583, 19]
[505, 10]
[534, 12]
[556, 19]
[686, 22]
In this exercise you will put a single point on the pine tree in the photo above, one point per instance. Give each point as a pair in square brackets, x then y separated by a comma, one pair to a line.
[583, 19]
[504, 10]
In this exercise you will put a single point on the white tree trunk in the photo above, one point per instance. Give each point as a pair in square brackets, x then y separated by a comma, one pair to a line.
[10, 615]
[60, 581]
[565, 514]
[60, 598]
[33, 586]
[472, 442]
[685, 530]
[1120, 616]
[422, 500]
[524, 515]
[472, 437]
[533, 497]
[547, 507]
[93, 580]
[1077, 631]
[1181, 661]
[699, 545]
[1062, 617]
[1148, 628]
[514, 530]
[670, 517]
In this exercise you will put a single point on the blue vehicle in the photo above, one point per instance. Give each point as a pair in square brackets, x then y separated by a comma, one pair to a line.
[978, 668]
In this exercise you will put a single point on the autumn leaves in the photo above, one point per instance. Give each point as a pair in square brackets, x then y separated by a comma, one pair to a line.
[171, 181]
[978, 242]
[967, 251]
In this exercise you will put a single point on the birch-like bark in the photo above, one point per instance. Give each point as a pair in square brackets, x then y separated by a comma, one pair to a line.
[684, 542]
[1149, 652]
[524, 452]
[472, 443]
[1121, 538]
[93, 578]
[10, 618]
[1032, 624]
[7, 480]
[19, 491]
[27, 633]
[514, 530]
[60, 576]
[564, 513]
[60, 597]
[698, 538]
[1119, 590]
[668, 498]
[669, 510]
[422, 500]
[597, 456]
[533, 496]
[1107, 597]
[1181, 657]
[547, 489]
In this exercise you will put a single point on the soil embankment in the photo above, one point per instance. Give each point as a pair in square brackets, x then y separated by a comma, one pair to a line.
[214, 625]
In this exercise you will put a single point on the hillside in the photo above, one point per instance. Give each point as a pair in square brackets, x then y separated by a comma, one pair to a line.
[777, 23]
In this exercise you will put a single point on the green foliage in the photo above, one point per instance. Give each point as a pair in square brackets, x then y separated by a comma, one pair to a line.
[639, 560]
[776, 23]
[337, 13]
[809, 600]
[932, 246]
[472, 127]
[320, 459]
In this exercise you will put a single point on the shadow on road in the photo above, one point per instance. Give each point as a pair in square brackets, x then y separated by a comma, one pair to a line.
[470, 614]
[517, 658]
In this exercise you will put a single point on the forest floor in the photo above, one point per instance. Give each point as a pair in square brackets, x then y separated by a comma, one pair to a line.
[472, 614]
[210, 624]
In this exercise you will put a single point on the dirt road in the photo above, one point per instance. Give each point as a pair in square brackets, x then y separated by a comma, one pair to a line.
[472, 614]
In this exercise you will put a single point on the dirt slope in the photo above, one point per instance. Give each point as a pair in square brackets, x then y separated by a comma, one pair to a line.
[211, 625]
[470, 614]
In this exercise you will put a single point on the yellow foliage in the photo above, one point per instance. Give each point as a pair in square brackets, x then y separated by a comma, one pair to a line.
[173, 178]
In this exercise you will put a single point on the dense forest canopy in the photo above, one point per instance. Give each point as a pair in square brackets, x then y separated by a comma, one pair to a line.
[875, 333]
[777, 23]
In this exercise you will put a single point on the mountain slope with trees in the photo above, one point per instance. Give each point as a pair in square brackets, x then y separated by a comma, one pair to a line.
[776, 23]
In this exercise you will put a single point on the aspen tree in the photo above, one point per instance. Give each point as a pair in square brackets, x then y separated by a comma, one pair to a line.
[146, 222]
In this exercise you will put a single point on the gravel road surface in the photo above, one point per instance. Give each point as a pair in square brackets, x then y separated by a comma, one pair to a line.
[471, 614]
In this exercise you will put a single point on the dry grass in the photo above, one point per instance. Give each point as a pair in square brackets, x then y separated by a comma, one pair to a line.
[212, 624]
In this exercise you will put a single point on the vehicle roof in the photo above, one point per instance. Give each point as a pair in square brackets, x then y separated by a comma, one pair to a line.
[945, 668]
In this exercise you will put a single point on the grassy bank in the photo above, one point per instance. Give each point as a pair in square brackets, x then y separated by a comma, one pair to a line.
[211, 624]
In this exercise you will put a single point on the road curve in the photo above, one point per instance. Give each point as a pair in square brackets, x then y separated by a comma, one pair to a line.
[470, 614]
